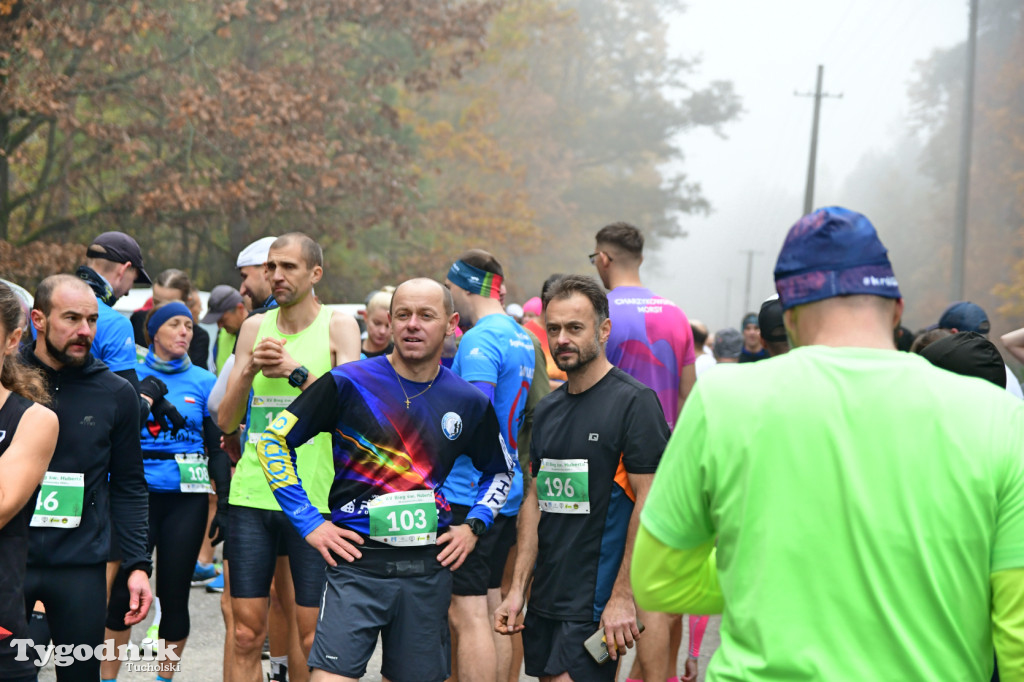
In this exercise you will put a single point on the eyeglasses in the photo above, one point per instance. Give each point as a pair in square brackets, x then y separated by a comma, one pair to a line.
[593, 257]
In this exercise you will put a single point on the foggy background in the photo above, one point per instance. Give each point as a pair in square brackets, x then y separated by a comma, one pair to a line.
[755, 179]
[401, 134]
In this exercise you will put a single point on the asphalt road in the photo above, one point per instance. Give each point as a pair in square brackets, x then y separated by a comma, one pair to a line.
[202, 658]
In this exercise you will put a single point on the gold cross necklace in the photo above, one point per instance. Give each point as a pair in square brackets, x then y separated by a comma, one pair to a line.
[402, 385]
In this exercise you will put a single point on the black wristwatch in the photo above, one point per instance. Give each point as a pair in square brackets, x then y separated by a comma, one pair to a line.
[477, 526]
[298, 377]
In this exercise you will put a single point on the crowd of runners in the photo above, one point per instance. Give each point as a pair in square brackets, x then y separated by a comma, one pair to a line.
[486, 487]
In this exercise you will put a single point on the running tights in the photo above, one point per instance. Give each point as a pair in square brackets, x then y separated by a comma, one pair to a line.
[177, 522]
[74, 598]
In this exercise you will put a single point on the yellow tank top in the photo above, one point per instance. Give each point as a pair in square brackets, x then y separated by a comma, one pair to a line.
[312, 348]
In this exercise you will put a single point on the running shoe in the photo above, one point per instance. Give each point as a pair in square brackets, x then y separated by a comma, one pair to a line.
[153, 634]
[216, 585]
[203, 574]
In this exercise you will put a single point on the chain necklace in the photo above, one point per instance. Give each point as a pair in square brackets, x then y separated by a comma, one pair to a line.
[410, 397]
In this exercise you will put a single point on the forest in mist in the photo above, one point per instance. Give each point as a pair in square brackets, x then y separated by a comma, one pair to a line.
[400, 133]
[396, 133]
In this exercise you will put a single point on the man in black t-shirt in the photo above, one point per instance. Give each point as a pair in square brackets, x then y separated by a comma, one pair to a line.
[597, 441]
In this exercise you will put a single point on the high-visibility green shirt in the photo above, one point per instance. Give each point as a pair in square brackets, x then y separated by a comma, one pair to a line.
[312, 348]
[861, 500]
[225, 346]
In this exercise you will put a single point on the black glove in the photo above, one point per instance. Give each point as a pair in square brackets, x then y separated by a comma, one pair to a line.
[167, 415]
[164, 413]
[153, 388]
[219, 524]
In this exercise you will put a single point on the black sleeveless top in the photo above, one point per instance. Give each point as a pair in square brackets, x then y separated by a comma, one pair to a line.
[13, 556]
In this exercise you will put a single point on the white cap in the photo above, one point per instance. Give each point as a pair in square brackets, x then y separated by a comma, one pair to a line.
[255, 253]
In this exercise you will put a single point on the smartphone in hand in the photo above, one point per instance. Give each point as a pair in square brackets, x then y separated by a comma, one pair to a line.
[597, 647]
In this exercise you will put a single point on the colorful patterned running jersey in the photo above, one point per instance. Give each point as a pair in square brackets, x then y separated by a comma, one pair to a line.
[651, 341]
[382, 446]
[500, 352]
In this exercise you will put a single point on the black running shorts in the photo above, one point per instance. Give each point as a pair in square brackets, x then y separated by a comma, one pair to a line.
[552, 647]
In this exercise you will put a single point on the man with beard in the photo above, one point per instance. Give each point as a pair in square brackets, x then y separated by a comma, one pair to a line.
[279, 353]
[398, 422]
[597, 441]
[95, 480]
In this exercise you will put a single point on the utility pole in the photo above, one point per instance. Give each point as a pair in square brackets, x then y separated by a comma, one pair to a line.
[964, 175]
[728, 300]
[750, 266]
[817, 95]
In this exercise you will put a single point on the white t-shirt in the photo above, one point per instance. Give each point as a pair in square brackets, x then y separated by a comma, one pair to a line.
[704, 362]
[1012, 385]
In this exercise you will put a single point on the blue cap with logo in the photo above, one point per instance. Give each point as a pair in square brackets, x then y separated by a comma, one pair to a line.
[833, 252]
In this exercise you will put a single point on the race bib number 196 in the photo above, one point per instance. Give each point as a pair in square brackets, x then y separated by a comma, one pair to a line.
[59, 504]
[404, 518]
[563, 486]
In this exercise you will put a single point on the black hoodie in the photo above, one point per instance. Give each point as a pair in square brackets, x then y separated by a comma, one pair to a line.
[98, 413]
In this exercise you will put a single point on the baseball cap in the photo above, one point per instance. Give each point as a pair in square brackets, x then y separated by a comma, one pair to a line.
[728, 343]
[769, 319]
[970, 354]
[222, 299]
[534, 306]
[833, 252]
[119, 248]
[965, 317]
[256, 253]
[749, 318]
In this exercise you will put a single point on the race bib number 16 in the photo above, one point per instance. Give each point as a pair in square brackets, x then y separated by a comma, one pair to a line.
[59, 504]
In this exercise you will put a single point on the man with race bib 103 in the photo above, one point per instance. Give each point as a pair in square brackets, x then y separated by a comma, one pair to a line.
[398, 423]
